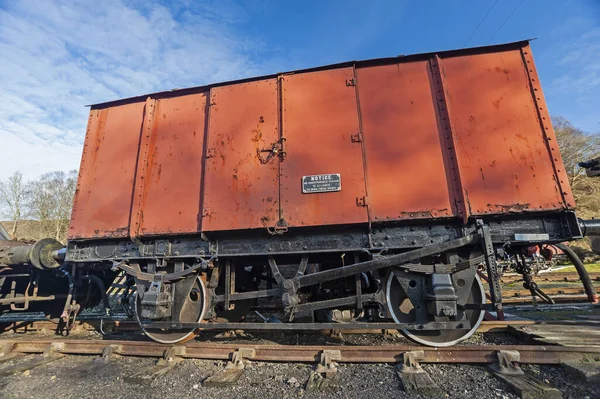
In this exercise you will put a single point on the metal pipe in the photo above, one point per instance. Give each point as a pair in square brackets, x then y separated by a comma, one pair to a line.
[59, 255]
[590, 227]
[102, 289]
[23, 299]
[581, 270]
[65, 313]
[40, 255]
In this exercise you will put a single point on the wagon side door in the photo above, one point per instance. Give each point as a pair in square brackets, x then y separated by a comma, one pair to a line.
[241, 189]
[322, 174]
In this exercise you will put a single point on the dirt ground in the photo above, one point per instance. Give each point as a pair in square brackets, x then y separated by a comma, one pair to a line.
[263, 380]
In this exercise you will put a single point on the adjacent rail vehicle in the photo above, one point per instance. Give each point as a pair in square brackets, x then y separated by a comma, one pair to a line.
[369, 193]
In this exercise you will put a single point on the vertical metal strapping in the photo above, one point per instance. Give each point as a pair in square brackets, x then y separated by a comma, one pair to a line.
[204, 156]
[362, 147]
[460, 199]
[562, 180]
[142, 164]
[280, 105]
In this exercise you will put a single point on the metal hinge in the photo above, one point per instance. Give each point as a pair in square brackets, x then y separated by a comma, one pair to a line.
[351, 82]
[210, 152]
[361, 201]
[356, 138]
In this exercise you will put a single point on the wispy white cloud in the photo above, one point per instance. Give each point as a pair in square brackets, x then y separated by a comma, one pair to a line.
[569, 65]
[56, 56]
[580, 64]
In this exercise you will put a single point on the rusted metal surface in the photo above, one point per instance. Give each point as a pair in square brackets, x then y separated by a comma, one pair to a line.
[401, 134]
[449, 134]
[446, 128]
[170, 167]
[546, 123]
[530, 354]
[102, 203]
[320, 126]
[242, 184]
[504, 163]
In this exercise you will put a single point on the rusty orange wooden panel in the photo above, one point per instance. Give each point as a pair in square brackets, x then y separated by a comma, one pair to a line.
[102, 203]
[242, 186]
[168, 186]
[320, 117]
[406, 174]
[504, 162]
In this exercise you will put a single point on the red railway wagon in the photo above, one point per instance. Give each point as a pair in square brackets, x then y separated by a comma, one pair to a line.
[364, 194]
[457, 134]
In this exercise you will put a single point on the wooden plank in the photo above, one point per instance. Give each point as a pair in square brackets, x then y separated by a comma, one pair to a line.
[30, 364]
[528, 387]
[224, 378]
[588, 372]
[418, 383]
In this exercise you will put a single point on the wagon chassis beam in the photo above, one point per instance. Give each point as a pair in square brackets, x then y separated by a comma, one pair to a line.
[288, 287]
[433, 326]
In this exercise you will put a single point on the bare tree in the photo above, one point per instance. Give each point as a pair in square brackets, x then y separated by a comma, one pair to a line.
[13, 193]
[52, 201]
[576, 146]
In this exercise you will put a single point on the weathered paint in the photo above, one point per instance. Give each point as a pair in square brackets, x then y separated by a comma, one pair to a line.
[406, 173]
[102, 203]
[241, 192]
[448, 135]
[503, 160]
[170, 167]
[320, 117]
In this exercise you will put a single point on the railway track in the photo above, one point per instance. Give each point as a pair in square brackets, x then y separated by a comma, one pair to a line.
[22, 353]
[550, 277]
[128, 325]
[529, 354]
[520, 292]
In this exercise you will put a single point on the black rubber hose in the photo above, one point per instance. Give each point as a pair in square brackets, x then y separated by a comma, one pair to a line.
[102, 289]
[581, 270]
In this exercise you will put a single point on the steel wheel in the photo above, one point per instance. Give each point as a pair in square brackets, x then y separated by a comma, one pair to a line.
[402, 311]
[192, 312]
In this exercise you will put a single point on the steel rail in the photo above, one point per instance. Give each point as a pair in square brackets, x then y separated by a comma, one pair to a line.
[529, 354]
[129, 325]
[550, 276]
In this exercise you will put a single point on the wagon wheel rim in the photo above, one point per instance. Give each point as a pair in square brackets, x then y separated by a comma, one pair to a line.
[396, 298]
[193, 311]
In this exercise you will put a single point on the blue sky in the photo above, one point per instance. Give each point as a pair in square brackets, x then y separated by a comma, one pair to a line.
[58, 55]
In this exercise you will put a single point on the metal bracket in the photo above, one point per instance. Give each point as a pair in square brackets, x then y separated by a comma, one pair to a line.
[54, 350]
[327, 362]
[410, 362]
[237, 358]
[507, 363]
[108, 353]
[361, 201]
[356, 138]
[280, 228]
[172, 356]
[492, 267]
[351, 82]
[414, 379]
[210, 153]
